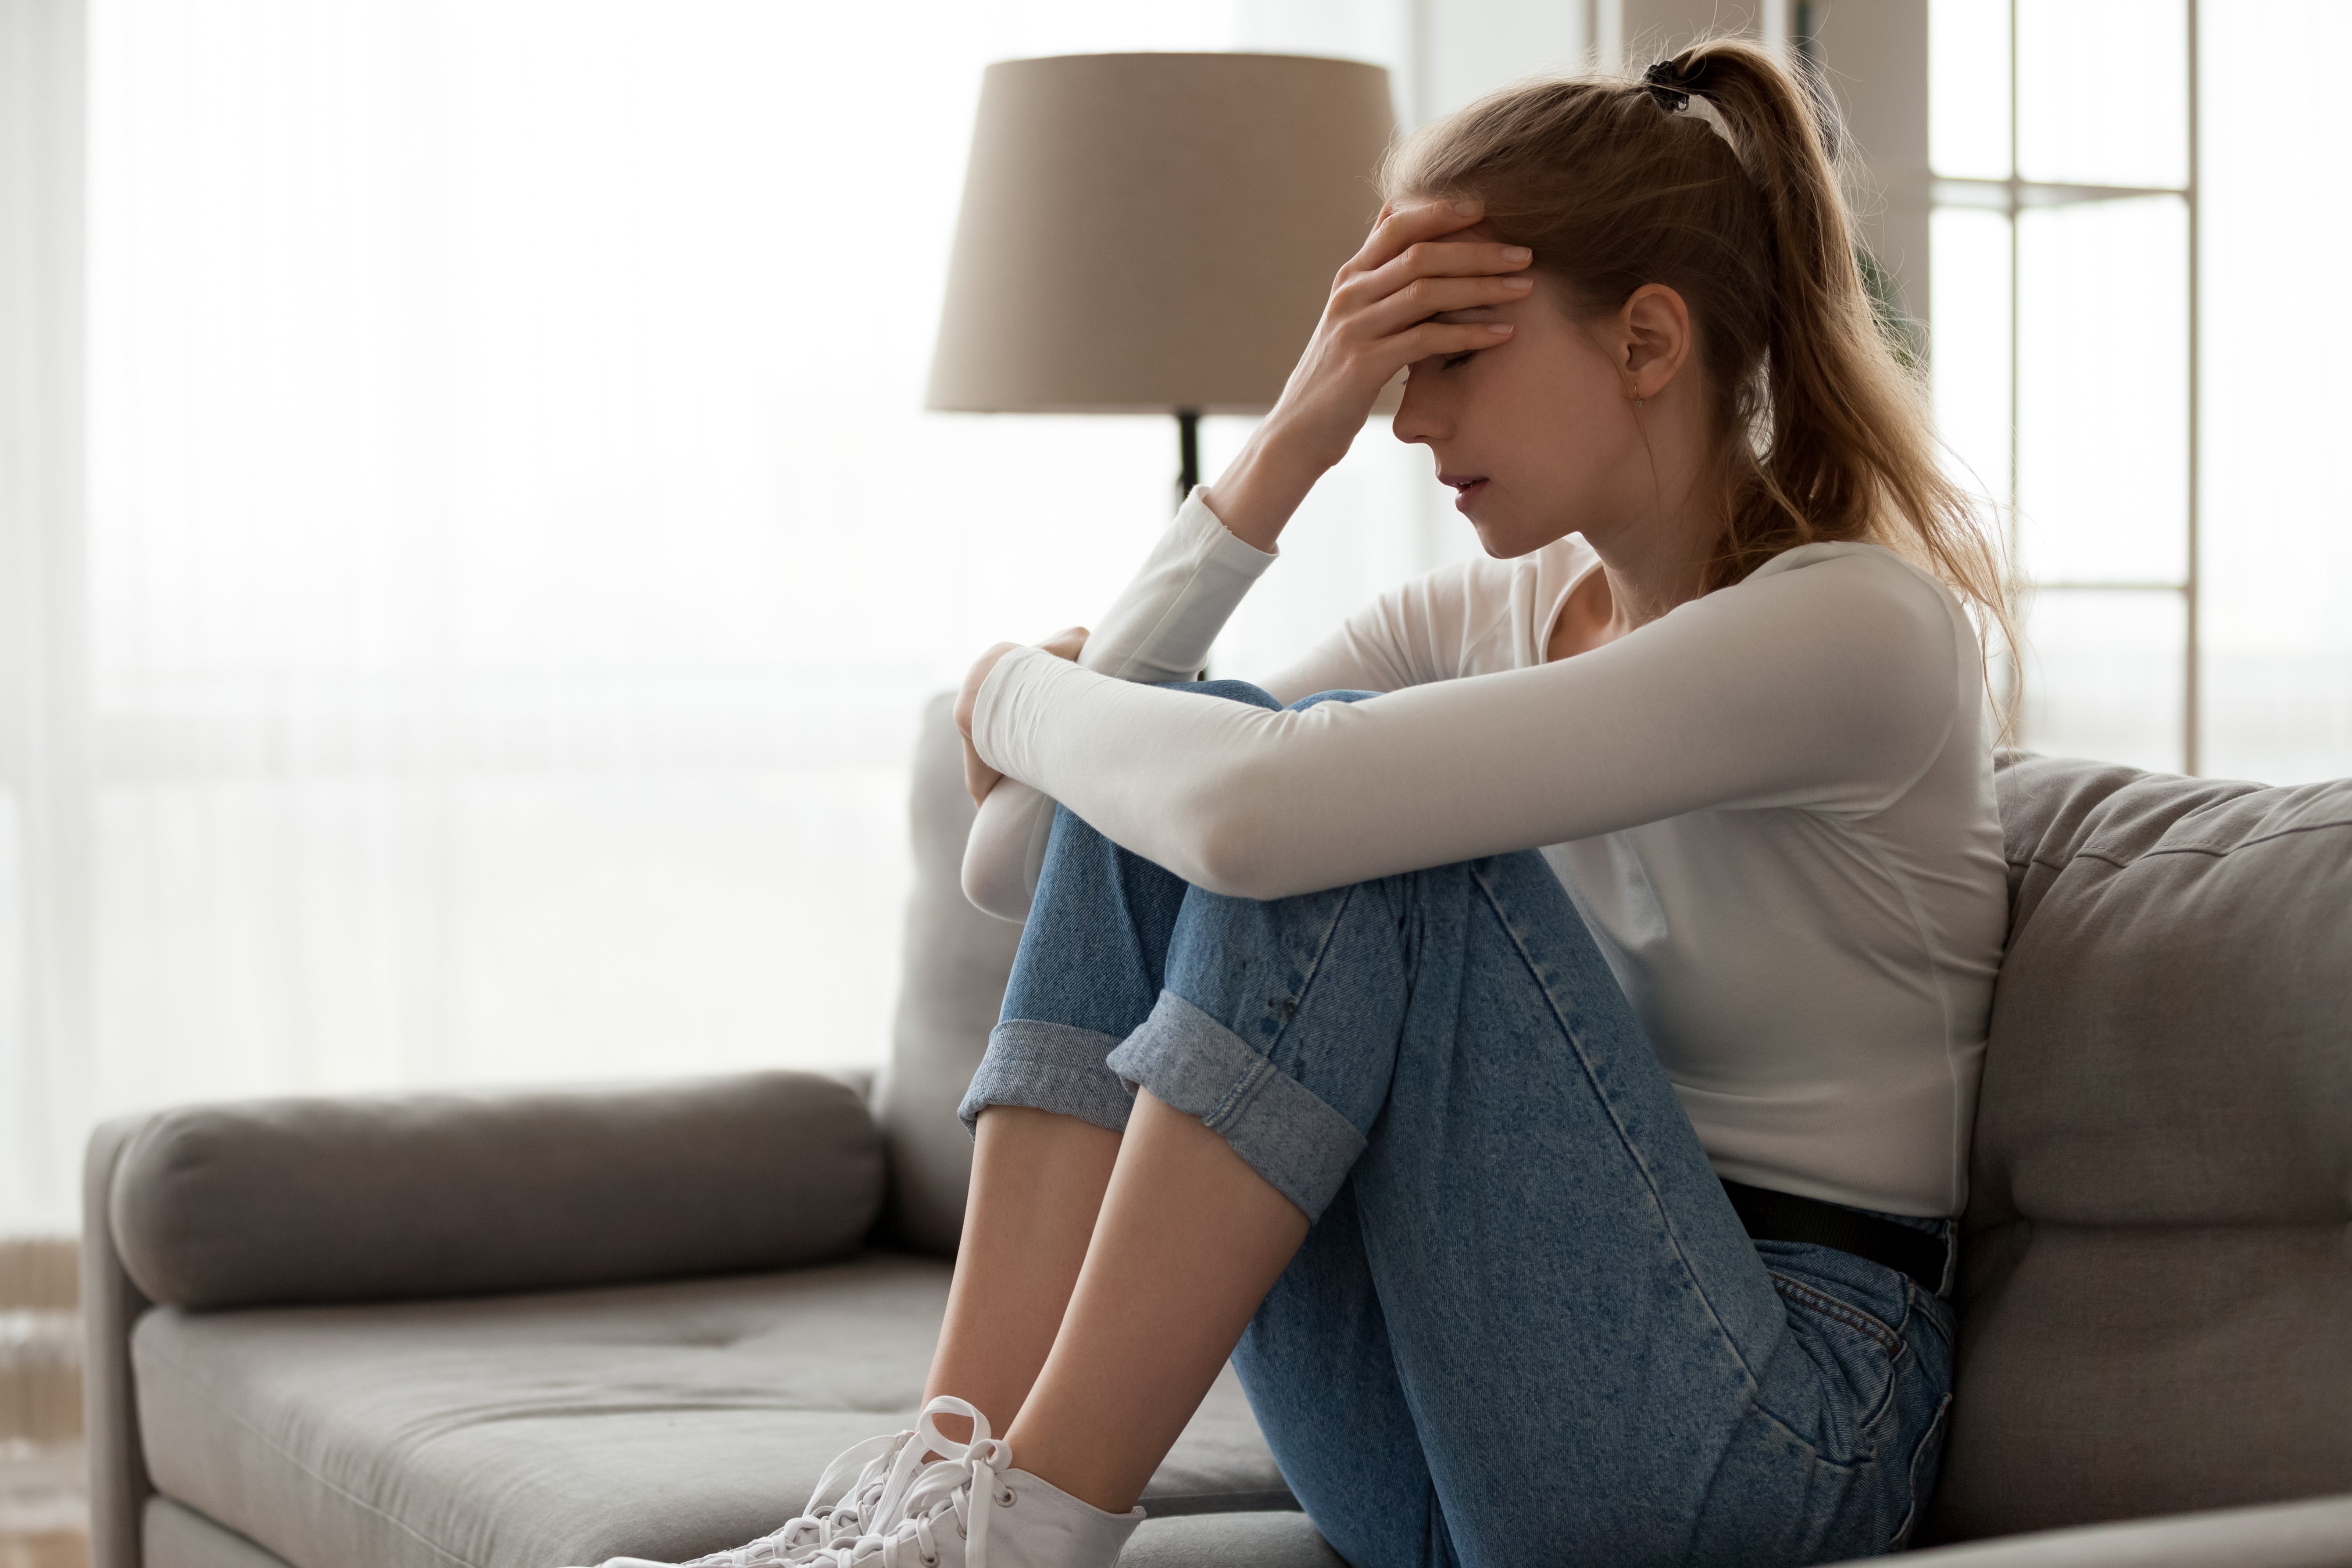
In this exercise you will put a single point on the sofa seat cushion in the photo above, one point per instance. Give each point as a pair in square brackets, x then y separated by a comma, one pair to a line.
[659, 1421]
[176, 1537]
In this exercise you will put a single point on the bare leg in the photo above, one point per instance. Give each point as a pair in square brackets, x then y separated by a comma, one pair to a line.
[1189, 1242]
[1037, 1182]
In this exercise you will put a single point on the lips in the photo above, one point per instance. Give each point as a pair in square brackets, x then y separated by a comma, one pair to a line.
[1466, 487]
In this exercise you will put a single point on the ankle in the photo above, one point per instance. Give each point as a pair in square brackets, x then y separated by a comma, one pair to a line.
[1073, 1470]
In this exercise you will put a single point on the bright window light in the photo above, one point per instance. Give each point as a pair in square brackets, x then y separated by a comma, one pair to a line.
[2103, 391]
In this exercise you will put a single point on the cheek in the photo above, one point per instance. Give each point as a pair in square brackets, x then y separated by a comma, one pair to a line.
[1563, 421]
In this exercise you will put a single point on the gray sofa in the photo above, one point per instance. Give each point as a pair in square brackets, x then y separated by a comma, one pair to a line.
[533, 1330]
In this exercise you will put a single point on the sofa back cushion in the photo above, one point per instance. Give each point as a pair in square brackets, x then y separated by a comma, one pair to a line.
[951, 983]
[292, 1201]
[2157, 1269]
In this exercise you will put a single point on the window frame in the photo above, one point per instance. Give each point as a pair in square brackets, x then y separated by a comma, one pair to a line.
[2015, 196]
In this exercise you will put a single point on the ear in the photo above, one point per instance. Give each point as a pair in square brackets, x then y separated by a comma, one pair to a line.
[1654, 334]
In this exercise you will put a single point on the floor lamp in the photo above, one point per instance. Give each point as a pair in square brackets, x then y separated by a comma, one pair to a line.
[1154, 233]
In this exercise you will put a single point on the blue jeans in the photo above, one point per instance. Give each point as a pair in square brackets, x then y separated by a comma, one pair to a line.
[1526, 1326]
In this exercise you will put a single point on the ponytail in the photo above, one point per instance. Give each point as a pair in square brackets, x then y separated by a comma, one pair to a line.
[1821, 423]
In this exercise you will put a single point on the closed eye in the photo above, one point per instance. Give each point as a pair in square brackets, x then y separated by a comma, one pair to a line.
[1450, 361]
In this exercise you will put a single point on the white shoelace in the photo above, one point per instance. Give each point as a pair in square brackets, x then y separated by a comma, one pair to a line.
[940, 1496]
[883, 1467]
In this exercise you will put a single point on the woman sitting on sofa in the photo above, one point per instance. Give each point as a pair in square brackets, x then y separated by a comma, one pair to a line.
[1536, 1036]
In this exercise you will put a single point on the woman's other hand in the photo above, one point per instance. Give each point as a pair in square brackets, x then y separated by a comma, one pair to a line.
[979, 778]
[1377, 321]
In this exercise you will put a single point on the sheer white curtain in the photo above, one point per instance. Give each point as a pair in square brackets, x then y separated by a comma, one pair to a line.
[2277, 227]
[515, 553]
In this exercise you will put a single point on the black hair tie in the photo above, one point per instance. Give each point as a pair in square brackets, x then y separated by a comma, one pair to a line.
[1667, 85]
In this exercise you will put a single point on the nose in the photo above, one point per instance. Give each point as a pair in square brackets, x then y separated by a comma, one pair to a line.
[1417, 419]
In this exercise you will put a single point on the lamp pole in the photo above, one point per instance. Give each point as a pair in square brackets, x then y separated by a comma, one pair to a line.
[1188, 452]
[1188, 471]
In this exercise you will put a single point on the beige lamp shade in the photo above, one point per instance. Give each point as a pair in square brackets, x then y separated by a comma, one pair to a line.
[1154, 233]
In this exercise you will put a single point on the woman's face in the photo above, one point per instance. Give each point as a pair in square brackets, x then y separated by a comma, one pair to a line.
[1538, 435]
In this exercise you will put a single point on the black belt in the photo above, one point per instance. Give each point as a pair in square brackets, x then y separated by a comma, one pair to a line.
[1784, 1216]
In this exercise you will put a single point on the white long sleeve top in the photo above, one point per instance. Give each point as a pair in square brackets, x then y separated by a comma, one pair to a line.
[1773, 806]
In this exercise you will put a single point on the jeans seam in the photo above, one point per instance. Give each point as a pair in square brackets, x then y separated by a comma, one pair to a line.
[1624, 1139]
[1313, 971]
[1830, 1307]
[1229, 1111]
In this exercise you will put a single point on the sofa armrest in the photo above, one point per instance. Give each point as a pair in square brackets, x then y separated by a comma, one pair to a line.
[110, 1305]
[371, 1199]
[2314, 1534]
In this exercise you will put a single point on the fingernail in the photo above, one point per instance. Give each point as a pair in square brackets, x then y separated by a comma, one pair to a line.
[1520, 282]
[1517, 255]
[1500, 329]
[1468, 209]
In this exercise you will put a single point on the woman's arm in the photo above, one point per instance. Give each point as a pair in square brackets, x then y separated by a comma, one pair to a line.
[1829, 684]
[1161, 629]
[1377, 322]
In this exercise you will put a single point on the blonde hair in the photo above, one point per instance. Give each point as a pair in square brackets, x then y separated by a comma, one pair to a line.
[1821, 428]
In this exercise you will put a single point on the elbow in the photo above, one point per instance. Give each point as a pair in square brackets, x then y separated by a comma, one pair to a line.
[999, 850]
[996, 890]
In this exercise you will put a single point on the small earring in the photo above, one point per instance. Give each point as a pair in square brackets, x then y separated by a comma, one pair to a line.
[1641, 402]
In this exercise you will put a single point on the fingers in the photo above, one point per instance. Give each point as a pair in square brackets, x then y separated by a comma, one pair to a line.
[1401, 227]
[1067, 643]
[1501, 265]
[1432, 339]
[1427, 297]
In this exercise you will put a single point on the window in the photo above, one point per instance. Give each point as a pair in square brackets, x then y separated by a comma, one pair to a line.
[2134, 356]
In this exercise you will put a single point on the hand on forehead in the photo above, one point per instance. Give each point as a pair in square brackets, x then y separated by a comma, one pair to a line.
[1482, 231]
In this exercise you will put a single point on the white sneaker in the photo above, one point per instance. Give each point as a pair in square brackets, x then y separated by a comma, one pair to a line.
[973, 1510]
[883, 1467]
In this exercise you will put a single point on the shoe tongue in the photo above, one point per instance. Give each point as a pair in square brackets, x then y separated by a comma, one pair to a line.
[934, 1487]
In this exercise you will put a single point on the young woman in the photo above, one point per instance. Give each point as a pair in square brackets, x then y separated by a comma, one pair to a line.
[1542, 1061]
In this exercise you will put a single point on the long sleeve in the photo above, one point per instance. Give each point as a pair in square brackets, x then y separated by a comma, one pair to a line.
[1828, 680]
[1159, 628]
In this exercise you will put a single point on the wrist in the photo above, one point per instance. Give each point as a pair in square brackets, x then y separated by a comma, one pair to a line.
[967, 704]
[1256, 494]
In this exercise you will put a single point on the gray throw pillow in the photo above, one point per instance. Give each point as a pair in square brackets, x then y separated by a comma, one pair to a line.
[952, 983]
[274, 1202]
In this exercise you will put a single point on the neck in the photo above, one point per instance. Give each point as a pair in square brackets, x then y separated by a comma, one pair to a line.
[1644, 572]
[1662, 560]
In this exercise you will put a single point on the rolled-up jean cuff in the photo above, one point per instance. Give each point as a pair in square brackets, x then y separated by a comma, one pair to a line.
[1048, 1067]
[1278, 1126]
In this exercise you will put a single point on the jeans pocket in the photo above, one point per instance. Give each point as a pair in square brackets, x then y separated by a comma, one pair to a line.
[1926, 1459]
[1855, 1354]
[1865, 1378]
